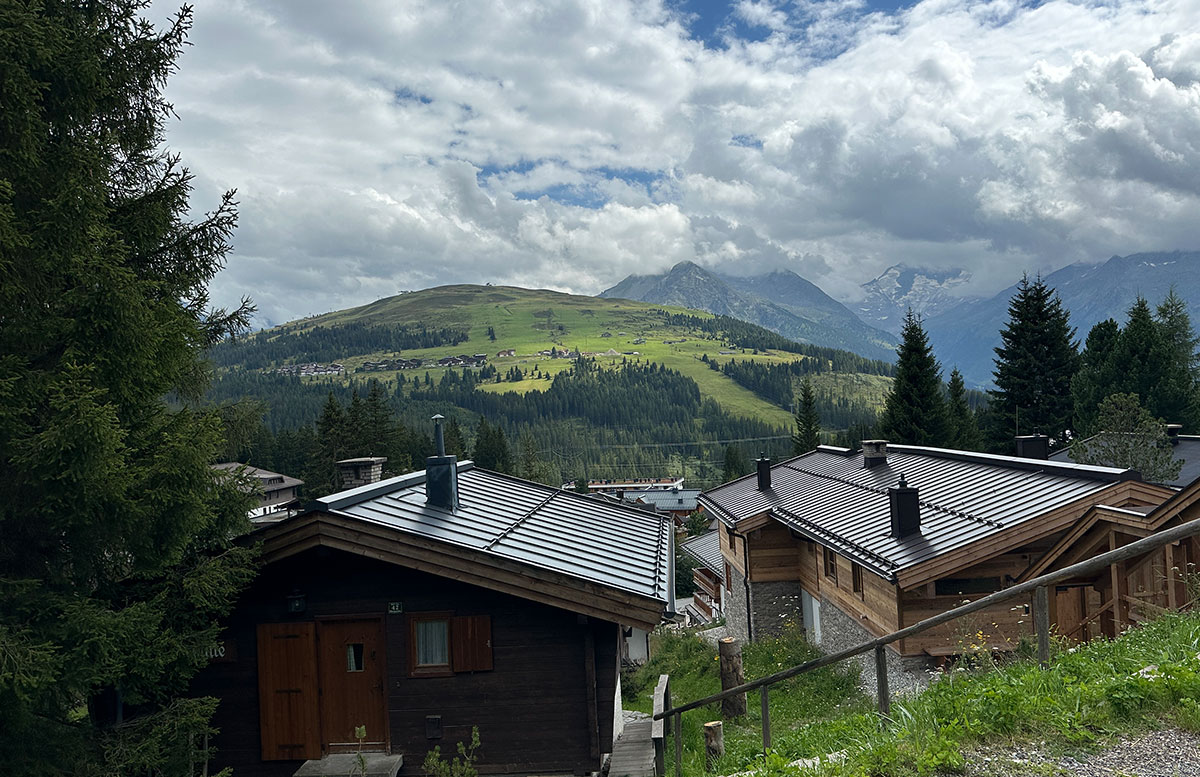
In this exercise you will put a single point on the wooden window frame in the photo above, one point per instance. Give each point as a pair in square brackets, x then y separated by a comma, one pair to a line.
[430, 670]
[856, 580]
[830, 558]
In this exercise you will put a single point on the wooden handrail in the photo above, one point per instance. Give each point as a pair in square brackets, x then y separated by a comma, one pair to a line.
[1095, 564]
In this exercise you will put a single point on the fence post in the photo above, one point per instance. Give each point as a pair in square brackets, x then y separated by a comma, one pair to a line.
[678, 744]
[714, 743]
[730, 652]
[1041, 624]
[881, 681]
[766, 719]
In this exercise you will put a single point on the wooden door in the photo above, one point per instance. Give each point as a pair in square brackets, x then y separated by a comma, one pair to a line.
[287, 692]
[351, 663]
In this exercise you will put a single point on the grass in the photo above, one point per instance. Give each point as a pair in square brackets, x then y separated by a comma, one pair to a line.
[529, 321]
[1089, 695]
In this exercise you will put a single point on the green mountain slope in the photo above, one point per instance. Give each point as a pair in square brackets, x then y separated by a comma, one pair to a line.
[531, 321]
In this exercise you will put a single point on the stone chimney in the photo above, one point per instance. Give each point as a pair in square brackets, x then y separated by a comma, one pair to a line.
[360, 472]
[905, 510]
[441, 473]
[1033, 446]
[874, 452]
[764, 473]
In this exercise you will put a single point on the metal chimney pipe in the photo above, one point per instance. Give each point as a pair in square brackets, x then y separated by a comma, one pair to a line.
[439, 435]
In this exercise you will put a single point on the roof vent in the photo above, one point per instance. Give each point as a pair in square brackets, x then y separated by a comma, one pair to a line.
[1173, 431]
[1033, 446]
[764, 474]
[874, 452]
[441, 473]
[905, 510]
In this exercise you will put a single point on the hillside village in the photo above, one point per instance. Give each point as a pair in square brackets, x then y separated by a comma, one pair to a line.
[709, 522]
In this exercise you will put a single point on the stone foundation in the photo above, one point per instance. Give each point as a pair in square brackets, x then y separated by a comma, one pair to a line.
[840, 631]
[737, 620]
[775, 607]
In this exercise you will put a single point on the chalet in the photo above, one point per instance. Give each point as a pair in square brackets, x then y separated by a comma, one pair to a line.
[631, 484]
[679, 502]
[709, 577]
[507, 352]
[426, 604]
[855, 544]
[277, 494]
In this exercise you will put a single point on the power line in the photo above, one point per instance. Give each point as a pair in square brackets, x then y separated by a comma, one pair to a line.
[692, 442]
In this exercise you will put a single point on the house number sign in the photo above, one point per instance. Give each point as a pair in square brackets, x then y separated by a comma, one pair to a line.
[395, 608]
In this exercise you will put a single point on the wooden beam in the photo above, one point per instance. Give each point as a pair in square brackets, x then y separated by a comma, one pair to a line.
[589, 672]
[1169, 561]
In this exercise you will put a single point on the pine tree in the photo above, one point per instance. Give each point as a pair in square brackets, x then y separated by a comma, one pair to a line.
[456, 444]
[914, 412]
[115, 563]
[808, 424]
[962, 428]
[736, 464]
[491, 448]
[1035, 362]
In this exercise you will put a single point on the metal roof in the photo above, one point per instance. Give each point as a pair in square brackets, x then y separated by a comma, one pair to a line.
[707, 550]
[609, 544]
[830, 496]
[1185, 447]
[674, 499]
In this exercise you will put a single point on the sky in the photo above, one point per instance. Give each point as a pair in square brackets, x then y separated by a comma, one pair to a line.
[383, 146]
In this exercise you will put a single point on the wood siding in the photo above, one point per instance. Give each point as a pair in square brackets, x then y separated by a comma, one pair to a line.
[531, 707]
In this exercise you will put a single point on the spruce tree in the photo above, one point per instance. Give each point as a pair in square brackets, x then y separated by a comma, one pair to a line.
[1035, 362]
[736, 464]
[914, 412]
[115, 563]
[962, 429]
[1096, 377]
[808, 424]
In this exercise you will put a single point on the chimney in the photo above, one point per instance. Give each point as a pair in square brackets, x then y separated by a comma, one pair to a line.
[764, 474]
[1173, 431]
[1033, 446]
[905, 510]
[874, 452]
[360, 472]
[441, 473]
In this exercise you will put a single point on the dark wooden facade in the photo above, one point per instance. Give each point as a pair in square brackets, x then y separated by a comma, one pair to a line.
[546, 704]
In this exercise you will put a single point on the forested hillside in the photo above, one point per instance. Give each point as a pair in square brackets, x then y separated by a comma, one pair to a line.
[579, 385]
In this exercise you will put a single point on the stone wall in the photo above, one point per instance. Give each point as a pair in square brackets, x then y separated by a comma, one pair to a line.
[775, 606]
[736, 608]
[840, 631]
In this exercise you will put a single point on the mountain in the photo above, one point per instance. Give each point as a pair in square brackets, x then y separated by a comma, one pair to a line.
[781, 301]
[900, 287]
[965, 336]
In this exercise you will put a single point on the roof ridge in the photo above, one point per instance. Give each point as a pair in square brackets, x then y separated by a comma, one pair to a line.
[924, 502]
[513, 526]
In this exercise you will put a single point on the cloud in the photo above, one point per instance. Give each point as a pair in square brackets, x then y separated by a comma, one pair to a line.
[565, 145]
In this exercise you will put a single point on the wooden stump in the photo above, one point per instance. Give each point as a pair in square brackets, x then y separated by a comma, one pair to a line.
[730, 651]
[714, 743]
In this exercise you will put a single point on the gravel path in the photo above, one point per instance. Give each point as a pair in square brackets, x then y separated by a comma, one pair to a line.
[1165, 753]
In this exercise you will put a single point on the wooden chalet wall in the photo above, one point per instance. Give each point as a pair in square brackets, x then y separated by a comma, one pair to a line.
[542, 708]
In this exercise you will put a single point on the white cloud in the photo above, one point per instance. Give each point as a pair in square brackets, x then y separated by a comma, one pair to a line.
[565, 145]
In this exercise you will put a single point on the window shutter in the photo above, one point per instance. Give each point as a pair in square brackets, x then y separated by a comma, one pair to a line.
[471, 643]
[287, 691]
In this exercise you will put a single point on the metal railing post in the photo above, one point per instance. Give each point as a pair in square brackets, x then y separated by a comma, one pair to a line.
[881, 681]
[1041, 624]
[678, 744]
[766, 719]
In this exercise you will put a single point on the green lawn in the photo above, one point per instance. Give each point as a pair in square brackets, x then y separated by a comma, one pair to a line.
[1092, 694]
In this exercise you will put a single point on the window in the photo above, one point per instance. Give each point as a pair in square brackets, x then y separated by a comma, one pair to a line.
[856, 573]
[429, 634]
[831, 564]
[952, 586]
[442, 644]
[354, 657]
